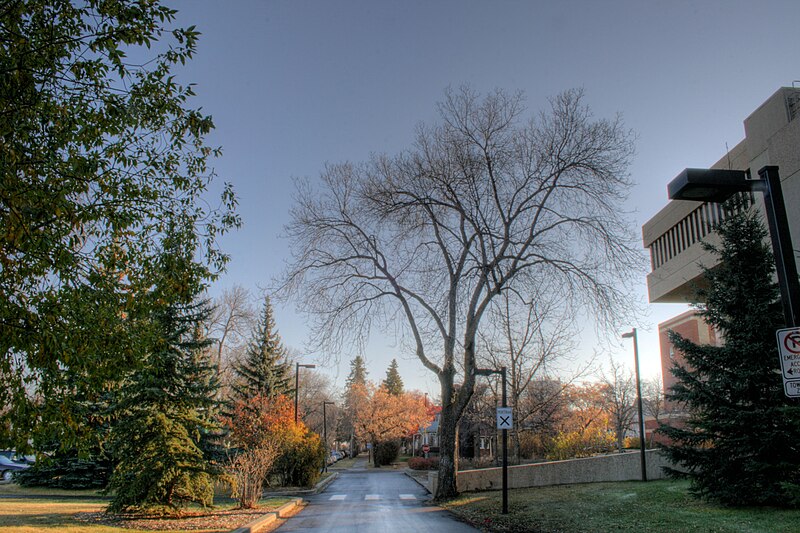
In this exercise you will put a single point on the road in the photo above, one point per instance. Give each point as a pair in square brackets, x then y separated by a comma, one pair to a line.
[373, 500]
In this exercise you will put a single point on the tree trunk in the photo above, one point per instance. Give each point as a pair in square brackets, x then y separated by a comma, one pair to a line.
[448, 453]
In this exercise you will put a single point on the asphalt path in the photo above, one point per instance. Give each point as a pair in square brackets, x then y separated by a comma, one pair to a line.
[373, 500]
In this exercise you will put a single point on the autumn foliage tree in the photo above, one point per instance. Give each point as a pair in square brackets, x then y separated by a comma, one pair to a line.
[264, 427]
[257, 428]
[381, 416]
[587, 427]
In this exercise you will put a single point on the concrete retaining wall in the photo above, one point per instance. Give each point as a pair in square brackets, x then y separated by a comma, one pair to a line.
[615, 467]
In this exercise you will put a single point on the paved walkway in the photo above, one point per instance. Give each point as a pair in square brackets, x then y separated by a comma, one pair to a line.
[367, 499]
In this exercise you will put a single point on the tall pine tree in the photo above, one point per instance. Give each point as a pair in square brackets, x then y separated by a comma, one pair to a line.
[166, 405]
[393, 381]
[358, 373]
[740, 444]
[355, 384]
[264, 371]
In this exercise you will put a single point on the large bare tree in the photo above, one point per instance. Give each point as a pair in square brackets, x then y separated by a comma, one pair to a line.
[484, 202]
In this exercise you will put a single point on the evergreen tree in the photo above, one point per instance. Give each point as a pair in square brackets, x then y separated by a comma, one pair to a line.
[265, 370]
[356, 382]
[167, 404]
[739, 446]
[393, 381]
[358, 373]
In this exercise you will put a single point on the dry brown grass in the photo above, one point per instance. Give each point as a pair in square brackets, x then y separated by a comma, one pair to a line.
[60, 515]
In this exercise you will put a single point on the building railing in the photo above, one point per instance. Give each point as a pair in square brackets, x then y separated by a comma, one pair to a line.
[694, 227]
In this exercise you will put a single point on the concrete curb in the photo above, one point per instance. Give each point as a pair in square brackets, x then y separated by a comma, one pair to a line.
[420, 483]
[281, 512]
[322, 485]
[268, 519]
[319, 487]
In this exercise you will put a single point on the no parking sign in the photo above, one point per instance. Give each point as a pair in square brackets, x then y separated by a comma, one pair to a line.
[789, 349]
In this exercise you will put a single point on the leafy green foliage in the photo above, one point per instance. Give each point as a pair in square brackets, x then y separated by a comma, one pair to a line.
[301, 460]
[386, 452]
[100, 155]
[393, 381]
[265, 370]
[740, 443]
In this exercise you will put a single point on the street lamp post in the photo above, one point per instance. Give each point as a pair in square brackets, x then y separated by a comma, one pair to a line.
[632, 335]
[325, 433]
[716, 185]
[297, 385]
[502, 373]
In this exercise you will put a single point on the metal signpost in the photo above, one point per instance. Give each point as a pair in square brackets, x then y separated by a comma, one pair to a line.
[505, 422]
[789, 350]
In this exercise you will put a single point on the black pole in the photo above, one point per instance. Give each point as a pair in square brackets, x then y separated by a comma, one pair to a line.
[639, 404]
[781, 244]
[296, 389]
[325, 431]
[505, 448]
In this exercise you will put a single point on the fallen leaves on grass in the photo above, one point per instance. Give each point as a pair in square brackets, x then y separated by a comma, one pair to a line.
[221, 520]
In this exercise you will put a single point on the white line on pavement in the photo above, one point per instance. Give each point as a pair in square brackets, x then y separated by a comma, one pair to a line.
[407, 497]
[372, 497]
[338, 497]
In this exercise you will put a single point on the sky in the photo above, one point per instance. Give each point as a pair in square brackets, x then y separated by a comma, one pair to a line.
[293, 85]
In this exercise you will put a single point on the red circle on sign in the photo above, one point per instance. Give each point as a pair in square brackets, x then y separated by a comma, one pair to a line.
[792, 342]
[426, 448]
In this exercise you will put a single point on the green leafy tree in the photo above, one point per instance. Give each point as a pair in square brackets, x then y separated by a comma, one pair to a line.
[265, 370]
[99, 155]
[393, 381]
[739, 446]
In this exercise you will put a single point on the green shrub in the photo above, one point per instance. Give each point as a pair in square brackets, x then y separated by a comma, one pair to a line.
[67, 472]
[386, 452]
[300, 464]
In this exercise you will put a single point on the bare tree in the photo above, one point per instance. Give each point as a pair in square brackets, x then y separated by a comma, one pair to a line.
[529, 338]
[316, 388]
[653, 401]
[231, 321]
[620, 396]
[483, 203]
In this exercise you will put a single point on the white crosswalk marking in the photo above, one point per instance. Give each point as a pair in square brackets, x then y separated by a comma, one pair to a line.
[338, 497]
[407, 497]
[372, 497]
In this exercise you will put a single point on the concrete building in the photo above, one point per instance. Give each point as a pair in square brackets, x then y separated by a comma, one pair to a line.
[673, 235]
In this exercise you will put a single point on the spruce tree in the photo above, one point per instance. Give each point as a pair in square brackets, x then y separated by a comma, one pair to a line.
[264, 371]
[356, 379]
[358, 373]
[740, 443]
[167, 403]
[393, 381]
[163, 414]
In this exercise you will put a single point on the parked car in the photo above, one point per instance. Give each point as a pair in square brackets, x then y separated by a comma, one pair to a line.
[8, 467]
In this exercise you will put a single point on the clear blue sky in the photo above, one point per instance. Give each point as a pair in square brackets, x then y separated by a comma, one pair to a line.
[295, 84]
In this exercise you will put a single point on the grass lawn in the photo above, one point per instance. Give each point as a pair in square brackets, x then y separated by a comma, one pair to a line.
[56, 514]
[660, 506]
[342, 464]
